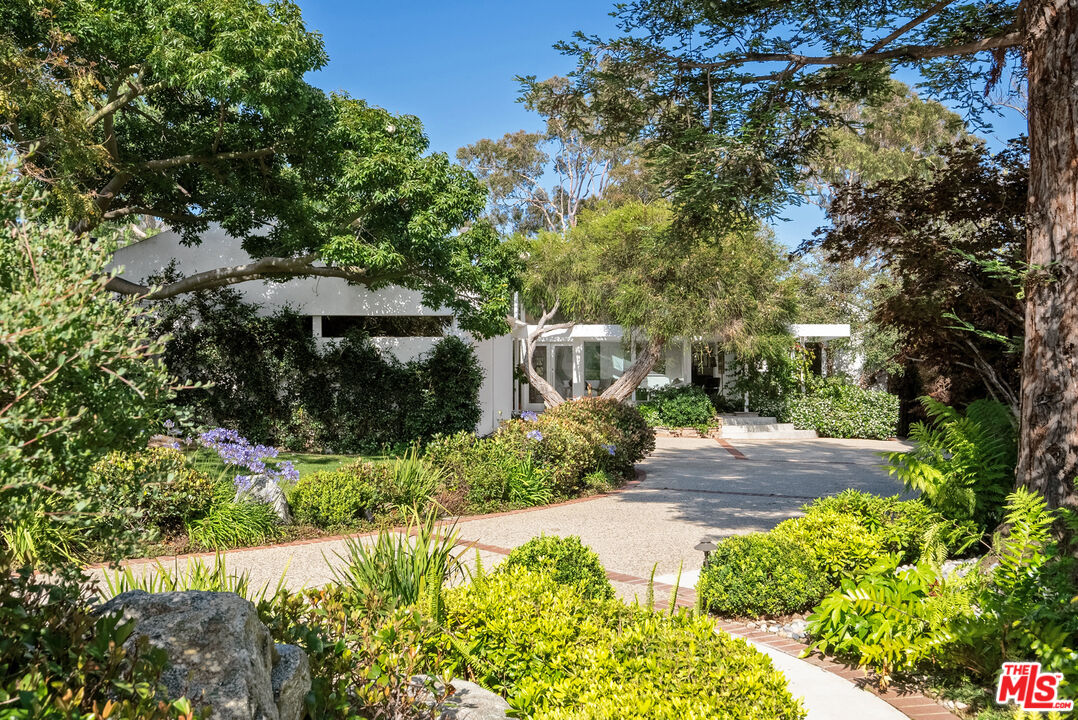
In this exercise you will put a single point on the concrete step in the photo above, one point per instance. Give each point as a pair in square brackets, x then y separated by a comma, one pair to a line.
[740, 420]
[766, 431]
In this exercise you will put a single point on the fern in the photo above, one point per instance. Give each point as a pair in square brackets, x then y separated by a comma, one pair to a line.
[963, 465]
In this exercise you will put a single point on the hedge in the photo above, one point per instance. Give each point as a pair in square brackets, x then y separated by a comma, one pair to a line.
[845, 411]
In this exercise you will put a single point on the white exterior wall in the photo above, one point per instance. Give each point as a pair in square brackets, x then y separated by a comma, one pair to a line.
[326, 296]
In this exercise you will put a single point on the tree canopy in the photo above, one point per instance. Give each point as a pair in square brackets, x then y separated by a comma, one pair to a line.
[953, 245]
[632, 266]
[731, 99]
[197, 112]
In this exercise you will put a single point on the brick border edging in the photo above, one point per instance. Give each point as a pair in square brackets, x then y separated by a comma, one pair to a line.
[640, 476]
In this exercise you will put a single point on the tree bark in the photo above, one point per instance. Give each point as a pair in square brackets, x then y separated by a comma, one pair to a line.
[622, 388]
[1048, 445]
[551, 397]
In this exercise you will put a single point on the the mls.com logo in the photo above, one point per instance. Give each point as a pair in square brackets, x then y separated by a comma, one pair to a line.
[1025, 684]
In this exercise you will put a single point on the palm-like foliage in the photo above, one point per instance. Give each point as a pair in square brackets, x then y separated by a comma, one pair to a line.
[963, 465]
[400, 567]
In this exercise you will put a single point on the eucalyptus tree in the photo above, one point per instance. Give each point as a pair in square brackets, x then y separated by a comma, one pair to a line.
[197, 112]
[633, 266]
[732, 97]
[542, 180]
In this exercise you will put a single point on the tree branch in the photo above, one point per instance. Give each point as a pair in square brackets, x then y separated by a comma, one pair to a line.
[927, 14]
[134, 90]
[911, 52]
[165, 163]
[225, 276]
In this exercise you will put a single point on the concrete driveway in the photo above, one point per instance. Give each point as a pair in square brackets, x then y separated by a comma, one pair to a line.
[696, 489]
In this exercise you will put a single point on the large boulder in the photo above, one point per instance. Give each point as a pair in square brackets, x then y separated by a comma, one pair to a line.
[220, 654]
[265, 490]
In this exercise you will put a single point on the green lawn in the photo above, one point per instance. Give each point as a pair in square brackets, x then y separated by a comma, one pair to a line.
[207, 461]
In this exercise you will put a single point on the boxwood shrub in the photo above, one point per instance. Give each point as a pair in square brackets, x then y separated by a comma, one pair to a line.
[554, 652]
[159, 483]
[841, 410]
[568, 560]
[760, 574]
[341, 497]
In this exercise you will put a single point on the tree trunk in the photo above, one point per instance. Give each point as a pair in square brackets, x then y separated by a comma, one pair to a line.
[1048, 445]
[551, 397]
[623, 387]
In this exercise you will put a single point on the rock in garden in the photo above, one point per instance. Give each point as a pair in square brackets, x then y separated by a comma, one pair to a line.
[290, 681]
[220, 654]
[265, 490]
[468, 701]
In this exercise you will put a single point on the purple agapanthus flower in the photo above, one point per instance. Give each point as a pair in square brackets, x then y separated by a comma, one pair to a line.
[534, 435]
[234, 449]
[529, 416]
[610, 448]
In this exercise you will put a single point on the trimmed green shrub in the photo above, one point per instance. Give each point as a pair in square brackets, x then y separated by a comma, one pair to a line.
[568, 560]
[159, 483]
[635, 438]
[760, 574]
[556, 653]
[840, 410]
[681, 406]
[908, 527]
[838, 544]
[342, 497]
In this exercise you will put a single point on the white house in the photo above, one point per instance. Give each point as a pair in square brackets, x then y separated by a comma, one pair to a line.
[583, 360]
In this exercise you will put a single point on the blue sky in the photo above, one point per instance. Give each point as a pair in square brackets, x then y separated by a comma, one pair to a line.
[452, 64]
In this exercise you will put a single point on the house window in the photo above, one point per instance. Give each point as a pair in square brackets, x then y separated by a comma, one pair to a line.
[336, 326]
[604, 362]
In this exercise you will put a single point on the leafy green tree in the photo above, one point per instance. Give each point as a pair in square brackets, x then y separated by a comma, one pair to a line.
[952, 245]
[730, 99]
[77, 379]
[899, 135]
[197, 112]
[632, 266]
[543, 180]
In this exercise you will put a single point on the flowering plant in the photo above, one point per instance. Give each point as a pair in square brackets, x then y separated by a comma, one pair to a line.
[234, 449]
